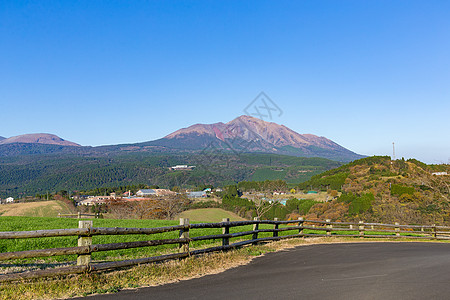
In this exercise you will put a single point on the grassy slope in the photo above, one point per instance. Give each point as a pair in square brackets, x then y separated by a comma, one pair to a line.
[209, 215]
[35, 209]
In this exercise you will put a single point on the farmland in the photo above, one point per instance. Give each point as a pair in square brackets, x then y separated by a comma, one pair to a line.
[35, 209]
[209, 215]
[36, 223]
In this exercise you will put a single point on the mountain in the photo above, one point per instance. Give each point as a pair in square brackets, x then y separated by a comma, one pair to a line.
[242, 135]
[2, 138]
[37, 138]
[248, 134]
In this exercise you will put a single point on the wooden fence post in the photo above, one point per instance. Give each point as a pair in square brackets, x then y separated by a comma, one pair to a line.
[79, 215]
[434, 231]
[255, 227]
[397, 229]
[225, 230]
[184, 234]
[329, 226]
[275, 233]
[361, 229]
[83, 240]
[300, 225]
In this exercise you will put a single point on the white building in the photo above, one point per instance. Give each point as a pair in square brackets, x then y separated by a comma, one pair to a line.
[439, 173]
[145, 192]
[182, 167]
[9, 200]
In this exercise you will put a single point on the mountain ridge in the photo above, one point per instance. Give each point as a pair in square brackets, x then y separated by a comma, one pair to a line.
[243, 134]
[249, 134]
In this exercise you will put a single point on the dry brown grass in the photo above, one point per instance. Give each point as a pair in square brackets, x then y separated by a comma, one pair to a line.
[35, 209]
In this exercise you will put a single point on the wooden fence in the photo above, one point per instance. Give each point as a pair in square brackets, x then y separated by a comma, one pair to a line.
[79, 215]
[294, 229]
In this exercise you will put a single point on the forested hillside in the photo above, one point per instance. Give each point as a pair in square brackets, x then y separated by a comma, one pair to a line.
[31, 174]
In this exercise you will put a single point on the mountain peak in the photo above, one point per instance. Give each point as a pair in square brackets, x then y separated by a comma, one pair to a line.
[38, 138]
[251, 134]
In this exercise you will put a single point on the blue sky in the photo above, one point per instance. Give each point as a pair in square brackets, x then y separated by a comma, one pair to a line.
[362, 73]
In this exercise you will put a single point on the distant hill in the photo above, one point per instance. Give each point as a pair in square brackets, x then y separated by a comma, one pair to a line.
[38, 138]
[2, 138]
[380, 190]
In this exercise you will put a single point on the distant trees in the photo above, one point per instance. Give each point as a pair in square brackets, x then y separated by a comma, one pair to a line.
[267, 185]
[166, 208]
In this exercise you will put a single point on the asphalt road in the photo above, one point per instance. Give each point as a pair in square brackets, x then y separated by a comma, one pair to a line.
[330, 271]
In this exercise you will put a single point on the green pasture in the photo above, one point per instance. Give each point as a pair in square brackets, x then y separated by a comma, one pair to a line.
[37, 223]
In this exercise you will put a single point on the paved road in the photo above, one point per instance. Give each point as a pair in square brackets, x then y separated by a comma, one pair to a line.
[332, 271]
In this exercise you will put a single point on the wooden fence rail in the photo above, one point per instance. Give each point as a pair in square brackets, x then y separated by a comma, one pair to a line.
[301, 227]
[79, 215]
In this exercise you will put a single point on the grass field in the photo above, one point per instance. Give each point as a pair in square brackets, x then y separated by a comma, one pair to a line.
[209, 215]
[36, 223]
[35, 209]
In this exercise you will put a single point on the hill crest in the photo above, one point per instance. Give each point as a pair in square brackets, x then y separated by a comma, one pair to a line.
[38, 138]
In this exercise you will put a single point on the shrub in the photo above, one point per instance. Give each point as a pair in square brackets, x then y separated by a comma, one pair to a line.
[398, 190]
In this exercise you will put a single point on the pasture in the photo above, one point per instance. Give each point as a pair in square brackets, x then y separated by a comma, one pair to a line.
[35, 209]
[209, 215]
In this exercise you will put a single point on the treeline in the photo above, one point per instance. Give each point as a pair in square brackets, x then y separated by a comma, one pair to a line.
[334, 179]
[119, 190]
[324, 183]
[267, 185]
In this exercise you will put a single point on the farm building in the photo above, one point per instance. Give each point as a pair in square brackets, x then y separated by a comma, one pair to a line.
[145, 192]
[154, 192]
[199, 194]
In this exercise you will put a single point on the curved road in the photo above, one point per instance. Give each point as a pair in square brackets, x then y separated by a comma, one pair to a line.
[329, 271]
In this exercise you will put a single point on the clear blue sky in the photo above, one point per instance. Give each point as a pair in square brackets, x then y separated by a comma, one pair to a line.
[362, 73]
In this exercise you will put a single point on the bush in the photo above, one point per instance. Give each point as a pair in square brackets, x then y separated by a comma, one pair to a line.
[358, 204]
[398, 190]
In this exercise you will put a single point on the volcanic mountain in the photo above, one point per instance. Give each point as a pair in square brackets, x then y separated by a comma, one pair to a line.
[242, 135]
[37, 138]
[248, 134]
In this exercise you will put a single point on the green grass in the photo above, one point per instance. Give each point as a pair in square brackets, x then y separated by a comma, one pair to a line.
[209, 215]
[36, 223]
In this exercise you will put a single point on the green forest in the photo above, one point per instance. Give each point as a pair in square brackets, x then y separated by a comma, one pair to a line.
[38, 174]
